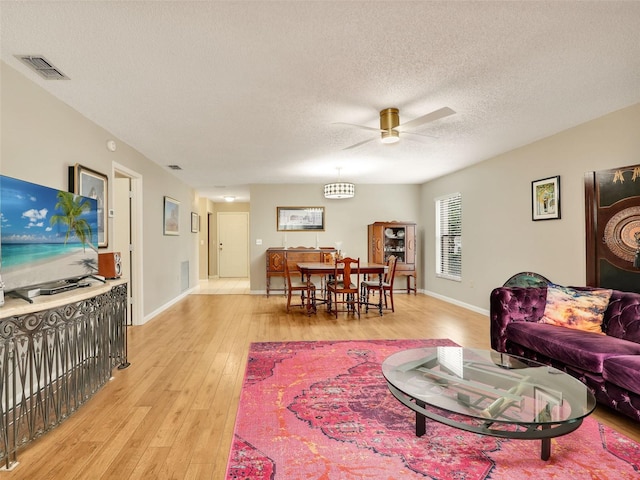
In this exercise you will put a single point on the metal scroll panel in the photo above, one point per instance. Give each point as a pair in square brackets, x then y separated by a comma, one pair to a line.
[53, 361]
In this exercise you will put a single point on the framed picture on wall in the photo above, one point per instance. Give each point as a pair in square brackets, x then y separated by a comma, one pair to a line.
[545, 199]
[300, 219]
[171, 217]
[92, 184]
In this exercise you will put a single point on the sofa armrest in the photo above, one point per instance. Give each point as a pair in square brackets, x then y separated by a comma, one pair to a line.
[514, 304]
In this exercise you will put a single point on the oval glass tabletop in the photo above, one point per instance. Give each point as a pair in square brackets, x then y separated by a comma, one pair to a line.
[488, 385]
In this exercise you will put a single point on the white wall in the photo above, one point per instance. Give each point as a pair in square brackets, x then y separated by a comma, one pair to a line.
[346, 220]
[41, 137]
[499, 237]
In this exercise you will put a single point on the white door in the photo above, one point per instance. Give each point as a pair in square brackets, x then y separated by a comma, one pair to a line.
[127, 236]
[122, 231]
[233, 244]
[122, 223]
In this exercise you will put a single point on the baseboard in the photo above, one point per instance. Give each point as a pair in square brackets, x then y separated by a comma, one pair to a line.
[453, 301]
[170, 303]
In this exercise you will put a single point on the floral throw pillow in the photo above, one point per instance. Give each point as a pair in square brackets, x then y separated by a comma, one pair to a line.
[578, 309]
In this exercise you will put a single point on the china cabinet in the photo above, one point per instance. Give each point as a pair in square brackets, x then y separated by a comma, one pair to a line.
[395, 238]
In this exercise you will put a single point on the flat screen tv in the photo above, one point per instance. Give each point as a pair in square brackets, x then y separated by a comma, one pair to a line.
[46, 235]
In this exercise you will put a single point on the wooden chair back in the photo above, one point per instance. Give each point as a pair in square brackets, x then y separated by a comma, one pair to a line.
[392, 262]
[287, 272]
[346, 268]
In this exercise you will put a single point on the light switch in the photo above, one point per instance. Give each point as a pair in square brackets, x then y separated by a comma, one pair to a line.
[258, 241]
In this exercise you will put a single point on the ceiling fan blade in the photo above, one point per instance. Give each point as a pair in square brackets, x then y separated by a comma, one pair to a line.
[429, 117]
[418, 134]
[358, 126]
[360, 143]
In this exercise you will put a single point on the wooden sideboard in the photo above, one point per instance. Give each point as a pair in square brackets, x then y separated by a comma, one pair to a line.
[276, 256]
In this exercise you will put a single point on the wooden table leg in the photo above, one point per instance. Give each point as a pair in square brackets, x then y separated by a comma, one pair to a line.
[421, 420]
[311, 302]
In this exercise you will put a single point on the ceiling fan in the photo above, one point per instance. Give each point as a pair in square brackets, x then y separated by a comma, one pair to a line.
[390, 128]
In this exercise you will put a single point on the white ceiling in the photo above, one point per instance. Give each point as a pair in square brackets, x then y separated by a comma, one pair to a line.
[242, 92]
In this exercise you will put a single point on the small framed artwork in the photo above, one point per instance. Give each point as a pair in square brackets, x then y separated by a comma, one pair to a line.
[300, 219]
[171, 217]
[195, 222]
[92, 184]
[545, 199]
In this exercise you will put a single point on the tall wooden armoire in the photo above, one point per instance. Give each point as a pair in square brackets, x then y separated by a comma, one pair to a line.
[399, 239]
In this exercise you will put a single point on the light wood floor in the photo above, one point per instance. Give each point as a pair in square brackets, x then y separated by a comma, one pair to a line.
[171, 414]
[224, 286]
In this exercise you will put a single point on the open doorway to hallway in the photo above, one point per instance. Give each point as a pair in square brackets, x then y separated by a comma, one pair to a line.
[127, 235]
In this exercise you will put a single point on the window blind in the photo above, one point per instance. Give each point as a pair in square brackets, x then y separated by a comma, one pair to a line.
[449, 236]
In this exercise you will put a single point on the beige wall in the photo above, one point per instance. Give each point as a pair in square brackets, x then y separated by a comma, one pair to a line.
[346, 220]
[42, 136]
[499, 237]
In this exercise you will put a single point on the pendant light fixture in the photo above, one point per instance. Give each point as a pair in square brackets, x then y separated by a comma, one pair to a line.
[339, 189]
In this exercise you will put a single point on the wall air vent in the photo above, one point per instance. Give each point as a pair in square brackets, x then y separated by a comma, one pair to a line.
[174, 167]
[43, 67]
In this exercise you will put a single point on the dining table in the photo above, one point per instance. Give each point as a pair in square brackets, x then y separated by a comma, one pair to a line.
[309, 269]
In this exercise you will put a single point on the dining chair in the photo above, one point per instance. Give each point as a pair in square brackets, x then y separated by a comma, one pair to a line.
[343, 288]
[369, 286]
[297, 285]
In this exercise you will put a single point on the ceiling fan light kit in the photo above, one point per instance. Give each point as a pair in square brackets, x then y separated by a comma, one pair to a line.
[390, 137]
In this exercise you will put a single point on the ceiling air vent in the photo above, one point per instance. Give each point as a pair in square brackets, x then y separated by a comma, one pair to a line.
[43, 67]
[174, 167]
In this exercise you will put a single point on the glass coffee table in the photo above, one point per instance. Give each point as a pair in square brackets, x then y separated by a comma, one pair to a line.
[489, 393]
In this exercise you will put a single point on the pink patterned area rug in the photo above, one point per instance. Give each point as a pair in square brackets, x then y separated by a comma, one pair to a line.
[322, 410]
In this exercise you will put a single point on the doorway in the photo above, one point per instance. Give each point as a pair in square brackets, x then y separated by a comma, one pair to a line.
[233, 244]
[127, 236]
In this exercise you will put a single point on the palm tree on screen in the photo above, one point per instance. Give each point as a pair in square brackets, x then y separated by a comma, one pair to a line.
[72, 208]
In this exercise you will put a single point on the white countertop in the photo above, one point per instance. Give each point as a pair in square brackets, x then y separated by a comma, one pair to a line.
[14, 306]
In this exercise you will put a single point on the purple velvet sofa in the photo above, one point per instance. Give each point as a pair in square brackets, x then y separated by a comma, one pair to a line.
[608, 364]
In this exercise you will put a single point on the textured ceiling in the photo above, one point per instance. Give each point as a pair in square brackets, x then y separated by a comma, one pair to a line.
[244, 92]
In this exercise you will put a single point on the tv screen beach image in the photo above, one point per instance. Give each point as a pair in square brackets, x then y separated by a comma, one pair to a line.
[46, 234]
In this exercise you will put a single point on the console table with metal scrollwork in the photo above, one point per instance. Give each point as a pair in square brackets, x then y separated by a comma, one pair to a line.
[55, 354]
